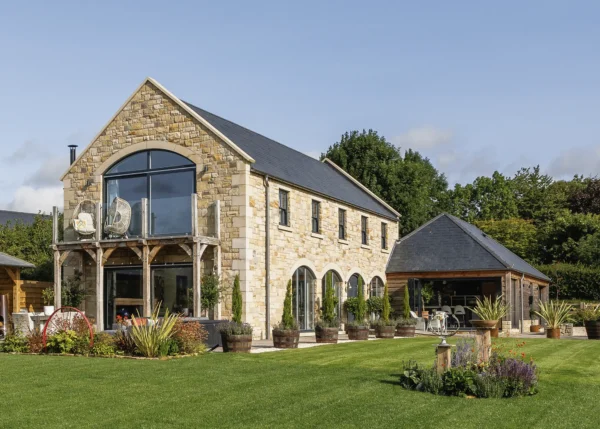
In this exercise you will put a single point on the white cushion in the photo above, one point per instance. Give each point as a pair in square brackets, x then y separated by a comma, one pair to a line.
[84, 223]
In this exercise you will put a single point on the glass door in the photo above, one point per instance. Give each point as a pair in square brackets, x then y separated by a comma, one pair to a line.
[303, 286]
[123, 294]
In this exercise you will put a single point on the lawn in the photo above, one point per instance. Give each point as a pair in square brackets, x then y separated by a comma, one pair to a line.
[347, 385]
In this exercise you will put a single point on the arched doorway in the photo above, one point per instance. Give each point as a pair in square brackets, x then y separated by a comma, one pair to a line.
[352, 290]
[303, 297]
[376, 287]
[336, 282]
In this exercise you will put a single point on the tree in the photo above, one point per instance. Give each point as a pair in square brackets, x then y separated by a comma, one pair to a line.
[385, 312]
[518, 235]
[409, 183]
[361, 307]
[287, 320]
[532, 193]
[586, 198]
[561, 237]
[329, 303]
[406, 304]
[236, 300]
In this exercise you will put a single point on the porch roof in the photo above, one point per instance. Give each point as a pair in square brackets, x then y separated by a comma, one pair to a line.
[10, 261]
[448, 244]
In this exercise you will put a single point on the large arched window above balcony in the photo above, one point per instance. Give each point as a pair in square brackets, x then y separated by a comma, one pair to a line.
[166, 179]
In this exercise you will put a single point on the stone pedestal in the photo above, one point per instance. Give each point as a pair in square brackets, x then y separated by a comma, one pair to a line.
[484, 344]
[443, 354]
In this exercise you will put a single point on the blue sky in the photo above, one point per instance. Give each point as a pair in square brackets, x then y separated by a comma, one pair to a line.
[475, 87]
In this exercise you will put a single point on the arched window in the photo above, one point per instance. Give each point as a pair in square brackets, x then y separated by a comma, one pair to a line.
[376, 288]
[303, 297]
[336, 282]
[353, 290]
[166, 179]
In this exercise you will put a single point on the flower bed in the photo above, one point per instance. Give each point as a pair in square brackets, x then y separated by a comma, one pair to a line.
[506, 375]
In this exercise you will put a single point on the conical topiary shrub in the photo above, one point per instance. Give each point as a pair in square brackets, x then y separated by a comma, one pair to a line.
[358, 329]
[235, 335]
[385, 327]
[327, 327]
[287, 335]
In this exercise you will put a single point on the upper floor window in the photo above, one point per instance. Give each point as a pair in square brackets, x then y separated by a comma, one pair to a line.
[284, 207]
[342, 224]
[316, 216]
[364, 232]
[383, 235]
[167, 180]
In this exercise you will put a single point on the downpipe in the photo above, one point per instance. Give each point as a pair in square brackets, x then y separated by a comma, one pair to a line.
[267, 258]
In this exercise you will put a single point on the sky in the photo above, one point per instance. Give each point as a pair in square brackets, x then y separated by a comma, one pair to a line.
[474, 86]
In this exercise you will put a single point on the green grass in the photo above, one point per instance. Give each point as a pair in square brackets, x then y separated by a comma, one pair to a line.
[347, 385]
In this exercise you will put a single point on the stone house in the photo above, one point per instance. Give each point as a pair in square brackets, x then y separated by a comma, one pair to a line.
[210, 196]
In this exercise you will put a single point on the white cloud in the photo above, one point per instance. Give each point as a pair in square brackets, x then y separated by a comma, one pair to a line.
[49, 173]
[576, 160]
[32, 200]
[423, 138]
[27, 151]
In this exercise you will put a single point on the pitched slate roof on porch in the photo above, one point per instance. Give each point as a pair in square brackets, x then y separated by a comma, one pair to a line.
[7, 216]
[289, 165]
[447, 243]
[10, 261]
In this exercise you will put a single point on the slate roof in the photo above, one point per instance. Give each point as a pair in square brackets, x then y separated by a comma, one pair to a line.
[289, 165]
[15, 217]
[447, 243]
[11, 261]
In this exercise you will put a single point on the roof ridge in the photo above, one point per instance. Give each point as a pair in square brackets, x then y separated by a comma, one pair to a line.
[458, 222]
[252, 131]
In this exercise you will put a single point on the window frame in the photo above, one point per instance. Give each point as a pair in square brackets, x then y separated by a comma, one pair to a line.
[342, 231]
[384, 236]
[316, 216]
[364, 230]
[284, 211]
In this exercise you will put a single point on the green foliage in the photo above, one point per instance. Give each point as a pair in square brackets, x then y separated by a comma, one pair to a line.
[555, 313]
[406, 322]
[586, 198]
[73, 290]
[329, 303]
[351, 305]
[150, 338]
[211, 292]
[518, 235]
[31, 243]
[104, 345]
[562, 236]
[408, 182]
[287, 320]
[405, 303]
[62, 342]
[14, 344]
[361, 307]
[48, 296]
[375, 305]
[490, 310]
[236, 300]
[589, 314]
[235, 328]
[571, 281]
[385, 313]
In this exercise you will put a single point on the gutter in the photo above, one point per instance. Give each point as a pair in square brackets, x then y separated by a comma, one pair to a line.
[267, 258]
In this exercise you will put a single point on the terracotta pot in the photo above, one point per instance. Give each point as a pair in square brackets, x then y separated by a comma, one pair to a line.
[286, 338]
[494, 332]
[592, 329]
[236, 343]
[326, 335]
[535, 328]
[385, 331]
[405, 331]
[553, 333]
[358, 333]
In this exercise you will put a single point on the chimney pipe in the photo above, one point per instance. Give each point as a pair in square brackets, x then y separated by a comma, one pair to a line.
[72, 148]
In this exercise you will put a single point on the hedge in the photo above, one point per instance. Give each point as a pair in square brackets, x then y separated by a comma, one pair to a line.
[573, 281]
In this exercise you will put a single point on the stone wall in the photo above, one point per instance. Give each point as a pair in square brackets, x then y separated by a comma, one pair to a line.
[295, 246]
[152, 120]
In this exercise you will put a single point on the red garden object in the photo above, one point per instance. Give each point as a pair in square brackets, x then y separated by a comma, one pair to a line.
[79, 323]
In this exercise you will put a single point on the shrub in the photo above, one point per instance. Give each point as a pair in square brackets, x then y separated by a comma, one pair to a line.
[361, 308]
[351, 305]
[168, 348]
[405, 303]
[287, 320]
[15, 344]
[490, 310]
[211, 292]
[329, 318]
[62, 342]
[124, 343]
[189, 337]
[589, 314]
[73, 291]
[570, 281]
[236, 300]
[374, 305]
[48, 296]
[235, 328]
[402, 323]
[385, 312]
[104, 345]
[35, 342]
[150, 338]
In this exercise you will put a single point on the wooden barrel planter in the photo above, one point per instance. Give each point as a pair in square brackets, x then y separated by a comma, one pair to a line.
[535, 328]
[286, 338]
[494, 332]
[405, 331]
[553, 333]
[236, 343]
[592, 329]
[385, 331]
[326, 335]
[358, 333]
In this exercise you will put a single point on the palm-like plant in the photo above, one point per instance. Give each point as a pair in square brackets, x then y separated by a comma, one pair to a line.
[555, 313]
[150, 337]
[490, 310]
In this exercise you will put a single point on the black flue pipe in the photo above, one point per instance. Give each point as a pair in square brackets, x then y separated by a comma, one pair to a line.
[72, 148]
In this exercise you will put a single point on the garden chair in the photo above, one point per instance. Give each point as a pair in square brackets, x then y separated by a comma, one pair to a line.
[84, 218]
[118, 218]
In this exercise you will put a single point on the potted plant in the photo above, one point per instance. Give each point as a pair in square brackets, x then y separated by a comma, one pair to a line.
[405, 327]
[385, 327]
[189, 302]
[48, 298]
[535, 325]
[236, 336]
[489, 313]
[374, 308]
[211, 291]
[73, 292]
[358, 329]
[591, 321]
[287, 335]
[554, 314]
[350, 307]
[327, 328]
